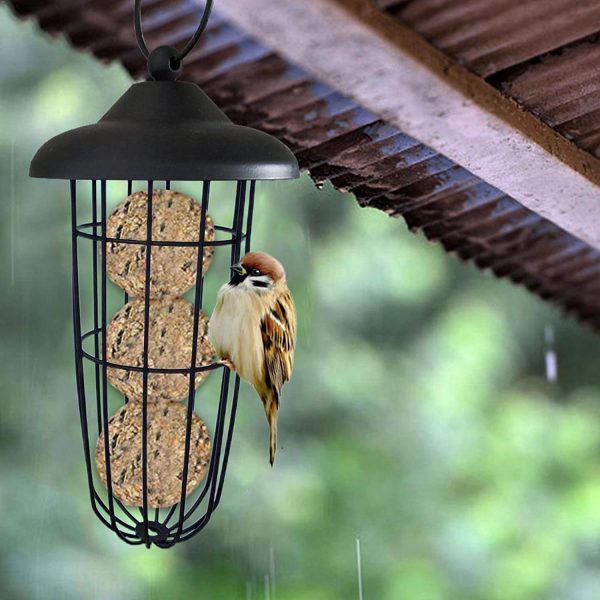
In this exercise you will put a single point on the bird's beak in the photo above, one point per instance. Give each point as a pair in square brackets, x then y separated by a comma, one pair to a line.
[238, 269]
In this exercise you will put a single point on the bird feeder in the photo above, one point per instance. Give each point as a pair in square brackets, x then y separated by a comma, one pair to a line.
[155, 471]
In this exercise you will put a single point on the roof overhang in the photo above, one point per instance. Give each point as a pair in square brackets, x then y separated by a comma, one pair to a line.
[336, 137]
[390, 70]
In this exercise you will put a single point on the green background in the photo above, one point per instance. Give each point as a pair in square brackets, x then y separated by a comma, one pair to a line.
[418, 420]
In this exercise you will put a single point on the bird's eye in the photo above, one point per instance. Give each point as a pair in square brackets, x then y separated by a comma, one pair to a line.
[254, 272]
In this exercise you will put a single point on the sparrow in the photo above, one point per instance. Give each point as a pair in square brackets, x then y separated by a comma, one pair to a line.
[253, 330]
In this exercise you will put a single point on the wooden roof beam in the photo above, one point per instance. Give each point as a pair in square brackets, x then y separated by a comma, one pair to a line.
[393, 72]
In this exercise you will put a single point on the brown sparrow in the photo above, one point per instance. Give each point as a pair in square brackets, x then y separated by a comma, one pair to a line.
[253, 330]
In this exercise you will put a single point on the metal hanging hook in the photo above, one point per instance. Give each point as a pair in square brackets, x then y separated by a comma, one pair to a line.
[139, 34]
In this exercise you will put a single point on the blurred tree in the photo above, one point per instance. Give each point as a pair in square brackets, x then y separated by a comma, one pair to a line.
[418, 419]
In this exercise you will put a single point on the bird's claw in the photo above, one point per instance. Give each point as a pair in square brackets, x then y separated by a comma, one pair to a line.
[227, 363]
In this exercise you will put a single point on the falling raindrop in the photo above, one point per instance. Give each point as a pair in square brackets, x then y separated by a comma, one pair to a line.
[359, 570]
[267, 587]
[308, 312]
[551, 362]
[249, 594]
[13, 212]
[272, 571]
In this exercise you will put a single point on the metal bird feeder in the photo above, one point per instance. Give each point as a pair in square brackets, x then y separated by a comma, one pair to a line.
[159, 132]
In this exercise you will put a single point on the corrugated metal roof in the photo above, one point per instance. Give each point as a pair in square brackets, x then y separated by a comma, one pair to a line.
[545, 55]
[337, 140]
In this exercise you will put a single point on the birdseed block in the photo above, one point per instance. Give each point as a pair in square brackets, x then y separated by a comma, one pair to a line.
[170, 336]
[175, 218]
[166, 427]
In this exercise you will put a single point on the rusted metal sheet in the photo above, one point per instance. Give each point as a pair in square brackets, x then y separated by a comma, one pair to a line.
[337, 140]
[493, 35]
[545, 55]
[564, 90]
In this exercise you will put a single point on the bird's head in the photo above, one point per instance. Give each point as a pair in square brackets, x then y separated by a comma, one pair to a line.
[257, 271]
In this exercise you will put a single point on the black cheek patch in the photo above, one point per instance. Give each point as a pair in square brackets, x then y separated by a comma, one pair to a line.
[237, 279]
[260, 284]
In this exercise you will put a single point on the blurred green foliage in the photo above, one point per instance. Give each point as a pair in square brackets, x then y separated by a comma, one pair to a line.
[418, 419]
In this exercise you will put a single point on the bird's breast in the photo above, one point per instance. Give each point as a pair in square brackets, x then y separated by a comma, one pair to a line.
[234, 332]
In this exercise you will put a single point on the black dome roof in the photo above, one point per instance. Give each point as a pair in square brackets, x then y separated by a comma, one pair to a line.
[164, 130]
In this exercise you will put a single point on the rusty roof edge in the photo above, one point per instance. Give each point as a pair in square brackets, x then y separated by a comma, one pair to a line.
[342, 42]
[476, 88]
[355, 149]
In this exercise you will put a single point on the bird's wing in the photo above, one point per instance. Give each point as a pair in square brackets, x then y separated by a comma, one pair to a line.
[278, 329]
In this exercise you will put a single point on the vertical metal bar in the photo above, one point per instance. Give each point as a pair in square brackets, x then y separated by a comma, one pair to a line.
[192, 388]
[77, 343]
[234, 225]
[145, 363]
[236, 247]
[250, 213]
[216, 449]
[94, 497]
[111, 506]
[236, 252]
[218, 442]
[125, 294]
[234, 403]
[218, 464]
[103, 217]
[95, 292]
[238, 216]
[125, 301]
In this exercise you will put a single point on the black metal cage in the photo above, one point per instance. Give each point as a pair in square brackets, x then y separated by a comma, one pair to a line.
[160, 526]
[158, 131]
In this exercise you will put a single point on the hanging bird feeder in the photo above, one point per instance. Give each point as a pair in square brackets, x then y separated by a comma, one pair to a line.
[155, 470]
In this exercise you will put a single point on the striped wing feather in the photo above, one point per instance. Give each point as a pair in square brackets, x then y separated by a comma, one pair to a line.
[278, 328]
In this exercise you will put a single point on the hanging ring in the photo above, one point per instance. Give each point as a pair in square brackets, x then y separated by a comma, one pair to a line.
[139, 34]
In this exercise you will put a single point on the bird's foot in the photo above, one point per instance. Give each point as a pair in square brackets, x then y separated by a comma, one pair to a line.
[227, 363]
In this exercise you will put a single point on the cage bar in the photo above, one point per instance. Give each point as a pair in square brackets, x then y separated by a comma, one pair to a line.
[165, 526]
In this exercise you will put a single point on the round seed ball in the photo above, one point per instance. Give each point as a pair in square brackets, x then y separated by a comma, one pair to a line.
[175, 218]
[166, 426]
[170, 337]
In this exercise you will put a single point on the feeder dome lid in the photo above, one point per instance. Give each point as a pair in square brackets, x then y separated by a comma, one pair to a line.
[164, 130]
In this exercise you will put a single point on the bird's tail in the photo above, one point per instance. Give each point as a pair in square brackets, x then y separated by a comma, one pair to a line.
[271, 406]
[273, 442]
